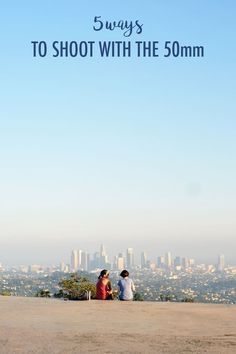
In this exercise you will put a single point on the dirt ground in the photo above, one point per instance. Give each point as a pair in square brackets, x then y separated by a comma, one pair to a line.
[47, 326]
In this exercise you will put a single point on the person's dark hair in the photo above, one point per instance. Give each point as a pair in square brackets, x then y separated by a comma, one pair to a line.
[103, 273]
[124, 273]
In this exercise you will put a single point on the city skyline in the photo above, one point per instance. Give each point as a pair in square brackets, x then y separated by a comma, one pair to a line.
[39, 250]
[129, 258]
[81, 260]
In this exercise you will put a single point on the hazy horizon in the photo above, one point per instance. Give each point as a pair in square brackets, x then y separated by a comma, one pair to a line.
[53, 252]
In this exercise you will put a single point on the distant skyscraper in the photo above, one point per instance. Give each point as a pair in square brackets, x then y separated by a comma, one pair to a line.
[96, 258]
[185, 262]
[103, 257]
[120, 262]
[130, 258]
[168, 261]
[79, 252]
[84, 261]
[74, 261]
[143, 259]
[191, 262]
[177, 261]
[62, 266]
[221, 263]
[76, 258]
[102, 251]
[115, 262]
[88, 262]
[161, 262]
[95, 262]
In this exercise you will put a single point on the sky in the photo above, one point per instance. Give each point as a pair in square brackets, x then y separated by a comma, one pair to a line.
[129, 152]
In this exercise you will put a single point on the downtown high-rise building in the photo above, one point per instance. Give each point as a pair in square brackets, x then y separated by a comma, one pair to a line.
[62, 266]
[143, 260]
[185, 263]
[74, 261]
[120, 262]
[65, 268]
[177, 261]
[103, 257]
[161, 262]
[221, 263]
[130, 258]
[84, 265]
[168, 260]
[95, 262]
[191, 262]
[76, 257]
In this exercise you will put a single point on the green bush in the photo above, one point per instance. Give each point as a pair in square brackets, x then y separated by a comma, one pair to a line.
[5, 293]
[43, 293]
[188, 299]
[138, 297]
[75, 288]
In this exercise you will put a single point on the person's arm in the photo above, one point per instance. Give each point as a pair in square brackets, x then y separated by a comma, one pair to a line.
[132, 286]
[109, 287]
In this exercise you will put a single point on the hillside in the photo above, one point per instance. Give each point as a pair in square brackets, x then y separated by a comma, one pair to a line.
[34, 325]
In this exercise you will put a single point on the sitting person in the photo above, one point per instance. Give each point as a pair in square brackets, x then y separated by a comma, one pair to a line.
[126, 286]
[103, 286]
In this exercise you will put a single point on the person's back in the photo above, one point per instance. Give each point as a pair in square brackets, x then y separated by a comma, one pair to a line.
[103, 286]
[126, 286]
[101, 289]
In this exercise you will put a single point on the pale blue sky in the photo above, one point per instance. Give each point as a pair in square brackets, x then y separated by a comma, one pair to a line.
[107, 150]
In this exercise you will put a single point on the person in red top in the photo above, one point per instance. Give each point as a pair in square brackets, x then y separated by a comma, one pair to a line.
[103, 286]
